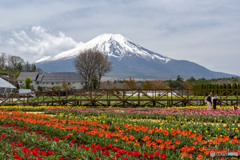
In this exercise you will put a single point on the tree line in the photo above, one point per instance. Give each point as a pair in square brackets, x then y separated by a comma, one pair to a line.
[14, 65]
[217, 86]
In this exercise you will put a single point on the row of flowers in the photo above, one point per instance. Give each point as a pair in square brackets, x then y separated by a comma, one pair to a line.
[222, 114]
[172, 139]
[42, 108]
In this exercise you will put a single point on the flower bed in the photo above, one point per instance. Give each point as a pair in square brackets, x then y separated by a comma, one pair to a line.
[222, 114]
[113, 134]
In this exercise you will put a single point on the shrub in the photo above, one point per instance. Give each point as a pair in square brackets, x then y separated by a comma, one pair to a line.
[27, 83]
[17, 85]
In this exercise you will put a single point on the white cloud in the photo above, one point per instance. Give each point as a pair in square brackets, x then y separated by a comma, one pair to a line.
[39, 43]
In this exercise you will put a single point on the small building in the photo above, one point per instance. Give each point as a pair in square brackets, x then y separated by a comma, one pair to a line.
[23, 75]
[56, 79]
[5, 75]
[5, 87]
[52, 79]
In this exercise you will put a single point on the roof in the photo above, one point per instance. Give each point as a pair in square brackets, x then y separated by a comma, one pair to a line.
[62, 76]
[5, 84]
[40, 76]
[24, 75]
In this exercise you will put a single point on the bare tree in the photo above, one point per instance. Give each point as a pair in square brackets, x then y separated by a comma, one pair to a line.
[131, 83]
[158, 84]
[15, 62]
[105, 67]
[88, 63]
[3, 60]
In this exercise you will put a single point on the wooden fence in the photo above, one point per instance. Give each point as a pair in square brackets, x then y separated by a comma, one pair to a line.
[123, 97]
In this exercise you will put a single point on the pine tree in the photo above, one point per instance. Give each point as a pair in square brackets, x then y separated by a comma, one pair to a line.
[33, 68]
[238, 88]
[234, 86]
[205, 87]
[213, 87]
[217, 87]
[224, 87]
[229, 86]
[27, 67]
[221, 87]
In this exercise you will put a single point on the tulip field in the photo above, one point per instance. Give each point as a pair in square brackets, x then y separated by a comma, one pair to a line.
[71, 133]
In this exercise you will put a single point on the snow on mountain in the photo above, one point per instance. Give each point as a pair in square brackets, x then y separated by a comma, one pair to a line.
[129, 60]
[43, 59]
[113, 45]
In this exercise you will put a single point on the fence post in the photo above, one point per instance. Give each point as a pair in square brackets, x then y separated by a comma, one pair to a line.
[237, 96]
[123, 99]
[138, 98]
[27, 99]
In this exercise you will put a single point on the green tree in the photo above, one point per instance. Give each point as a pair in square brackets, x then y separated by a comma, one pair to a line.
[179, 78]
[234, 86]
[27, 67]
[39, 70]
[17, 85]
[221, 87]
[239, 89]
[217, 87]
[210, 86]
[192, 80]
[224, 87]
[176, 84]
[27, 82]
[213, 87]
[33, 68]
[20, 66]
[229, 86]
[204, 86]
[94, 82]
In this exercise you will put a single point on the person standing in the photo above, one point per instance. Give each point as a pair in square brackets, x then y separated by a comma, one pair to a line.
[235, 108]
[209, 101]
[214, 101]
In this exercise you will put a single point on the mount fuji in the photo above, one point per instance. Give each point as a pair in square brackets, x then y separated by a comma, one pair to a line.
[129, 59]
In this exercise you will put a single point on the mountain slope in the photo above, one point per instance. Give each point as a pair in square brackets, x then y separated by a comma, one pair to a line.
[129, 59]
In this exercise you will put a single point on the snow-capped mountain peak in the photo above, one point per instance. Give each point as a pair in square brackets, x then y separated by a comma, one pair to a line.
[113, 45]
[129, 59]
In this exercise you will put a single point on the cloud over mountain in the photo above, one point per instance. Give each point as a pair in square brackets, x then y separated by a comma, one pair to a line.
[39, 43]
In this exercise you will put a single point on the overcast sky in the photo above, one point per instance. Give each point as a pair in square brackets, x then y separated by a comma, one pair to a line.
[206, 32]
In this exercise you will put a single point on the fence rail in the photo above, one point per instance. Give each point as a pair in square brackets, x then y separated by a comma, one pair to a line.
[123, 97]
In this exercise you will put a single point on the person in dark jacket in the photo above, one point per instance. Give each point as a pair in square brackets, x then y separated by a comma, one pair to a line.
[209, 102]
[235, 107]
[214, 101]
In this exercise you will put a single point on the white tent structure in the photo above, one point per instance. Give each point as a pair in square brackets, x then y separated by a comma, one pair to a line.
[5, 87]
